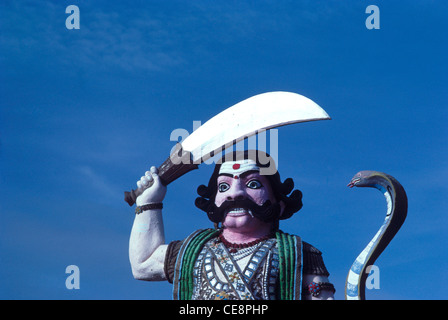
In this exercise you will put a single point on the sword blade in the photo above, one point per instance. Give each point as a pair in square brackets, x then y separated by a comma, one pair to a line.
[261, 112]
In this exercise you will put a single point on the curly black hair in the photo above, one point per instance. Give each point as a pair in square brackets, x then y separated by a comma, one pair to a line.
[207, 194]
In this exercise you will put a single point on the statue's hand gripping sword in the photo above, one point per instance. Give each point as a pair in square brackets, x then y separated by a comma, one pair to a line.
[261, 112]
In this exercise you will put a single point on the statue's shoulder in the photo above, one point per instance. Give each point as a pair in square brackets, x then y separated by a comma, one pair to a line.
[197, 234]
[309, 248]
[313, 262]
[306, 246]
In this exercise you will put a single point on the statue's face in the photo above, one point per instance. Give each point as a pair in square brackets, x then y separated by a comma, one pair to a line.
[239, 180]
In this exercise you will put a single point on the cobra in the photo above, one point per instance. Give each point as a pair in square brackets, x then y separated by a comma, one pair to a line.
[397, 207]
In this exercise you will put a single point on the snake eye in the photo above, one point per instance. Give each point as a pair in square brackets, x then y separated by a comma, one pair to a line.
[223, 187]
[254, 184]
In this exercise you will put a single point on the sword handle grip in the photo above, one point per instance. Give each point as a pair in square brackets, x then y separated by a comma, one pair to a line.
[175, 166]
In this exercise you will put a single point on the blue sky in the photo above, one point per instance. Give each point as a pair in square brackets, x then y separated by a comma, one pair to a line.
[83, 113]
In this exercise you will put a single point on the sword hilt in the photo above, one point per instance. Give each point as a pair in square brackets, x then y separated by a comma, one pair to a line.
[176, 165]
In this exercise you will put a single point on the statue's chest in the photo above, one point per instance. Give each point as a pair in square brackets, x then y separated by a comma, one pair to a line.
[247, 274]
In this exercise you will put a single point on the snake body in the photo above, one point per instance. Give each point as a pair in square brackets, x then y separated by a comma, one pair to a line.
[397, 205]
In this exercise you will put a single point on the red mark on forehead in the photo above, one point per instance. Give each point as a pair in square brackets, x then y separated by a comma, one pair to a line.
[236, 166]
[235, 177]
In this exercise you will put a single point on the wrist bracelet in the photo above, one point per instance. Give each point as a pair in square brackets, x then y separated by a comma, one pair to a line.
[149, 206]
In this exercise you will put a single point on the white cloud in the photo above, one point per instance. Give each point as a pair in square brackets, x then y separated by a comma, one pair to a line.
[152, 37]
[106, 38]
[102, 189]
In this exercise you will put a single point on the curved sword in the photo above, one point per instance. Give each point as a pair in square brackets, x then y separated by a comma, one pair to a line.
[261, 112]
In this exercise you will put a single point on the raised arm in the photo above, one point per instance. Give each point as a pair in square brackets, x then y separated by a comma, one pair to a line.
[146, 245]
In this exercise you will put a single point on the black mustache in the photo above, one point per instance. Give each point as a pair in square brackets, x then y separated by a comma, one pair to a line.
[267, 212]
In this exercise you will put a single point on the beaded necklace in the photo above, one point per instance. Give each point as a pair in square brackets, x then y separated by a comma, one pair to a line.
[234, 247]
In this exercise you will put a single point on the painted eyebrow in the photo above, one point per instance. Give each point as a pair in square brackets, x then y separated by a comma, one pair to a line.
[245, 174]
[225, 175]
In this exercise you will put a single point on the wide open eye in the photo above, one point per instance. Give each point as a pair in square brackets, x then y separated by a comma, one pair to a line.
[223, 187]
[254, 184]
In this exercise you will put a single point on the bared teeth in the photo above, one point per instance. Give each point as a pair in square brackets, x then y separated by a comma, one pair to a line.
[236, 211]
